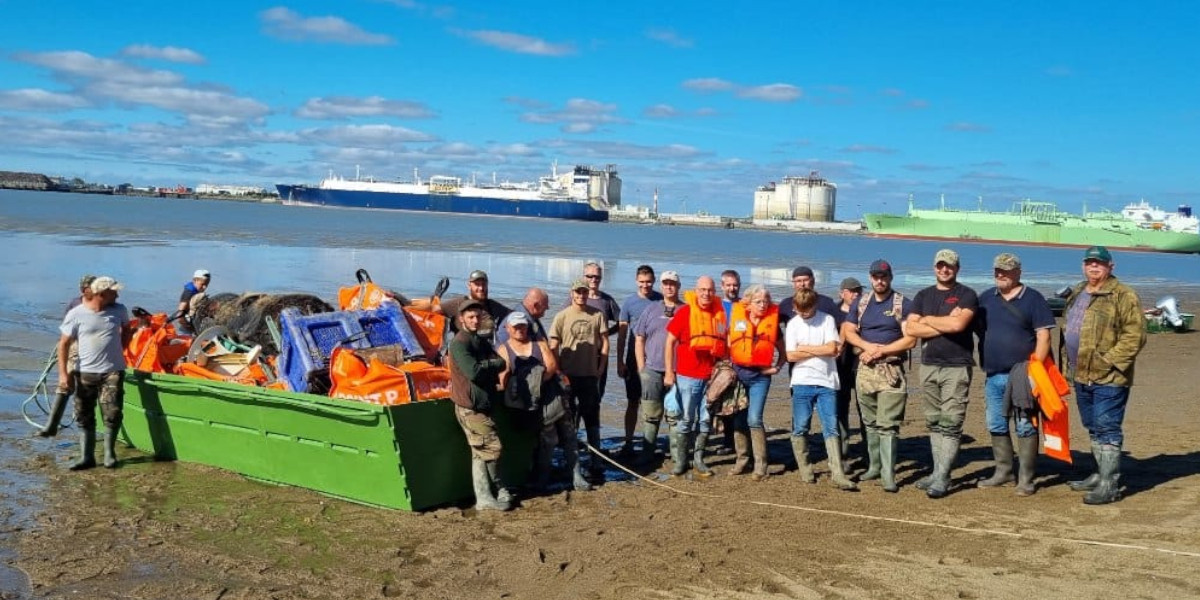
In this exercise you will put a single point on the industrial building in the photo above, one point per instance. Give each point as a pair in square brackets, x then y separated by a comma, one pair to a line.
[810, 198]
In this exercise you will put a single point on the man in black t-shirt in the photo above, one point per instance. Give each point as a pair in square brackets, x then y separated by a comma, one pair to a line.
[477, 290]
[941, 318]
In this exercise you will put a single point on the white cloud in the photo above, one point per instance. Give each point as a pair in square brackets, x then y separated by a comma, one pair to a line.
[364, 135]
[182, 99]
[342, 107]
[968, 127]
[579, 115]
[514, 150]
[284, 23]
[38, 100]
[668, 37]
[868, 149]
[168, 53]
[708, 84]
[775, 92]
[661, 111]
[76, 65]
[521, 44]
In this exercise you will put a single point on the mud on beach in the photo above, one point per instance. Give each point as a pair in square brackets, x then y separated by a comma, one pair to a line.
[174, 530]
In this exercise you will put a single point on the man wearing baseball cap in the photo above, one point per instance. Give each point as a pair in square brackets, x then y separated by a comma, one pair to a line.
[649, 343]
[874, 328]
[1104, 332]
[477, 290]
[101, 328]
[941, 318]
[194, 292]
[67, 386]
[1013, 323]
[848, 293]
[578, 336]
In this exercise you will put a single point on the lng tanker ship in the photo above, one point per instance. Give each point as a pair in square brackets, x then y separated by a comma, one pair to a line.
[584, 194]
[1042, 224]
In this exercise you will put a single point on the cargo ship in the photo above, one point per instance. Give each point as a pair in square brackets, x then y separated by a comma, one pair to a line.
[1042, 224]
[584, 194]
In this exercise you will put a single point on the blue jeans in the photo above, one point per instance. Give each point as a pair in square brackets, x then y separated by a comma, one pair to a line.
[1102, 411]
[693, 410]
[998, 411]
[756, 391]
[803, 399]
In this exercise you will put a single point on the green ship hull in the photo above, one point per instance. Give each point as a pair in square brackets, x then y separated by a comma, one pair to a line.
[408, 457]
[1030, 223]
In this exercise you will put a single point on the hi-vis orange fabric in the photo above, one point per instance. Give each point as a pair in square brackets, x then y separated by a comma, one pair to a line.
[364, 296]
[380, 383]
[252, 375]
[156, 348]
[706, 328]
[753, 345]
[1049, 387]
[429, 327]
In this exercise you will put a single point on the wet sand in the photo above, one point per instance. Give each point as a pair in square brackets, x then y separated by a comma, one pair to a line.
[175, 530]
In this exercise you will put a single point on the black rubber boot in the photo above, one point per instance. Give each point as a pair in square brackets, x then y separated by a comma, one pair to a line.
[947, 452]
[1088, 484]
[571, 452]
[650, 435]
[1108, 489]
[1002, 453]
[56, 414]
[87, 450]
[701, 469]
[679, 447]
[1027, 450]
[110, 448]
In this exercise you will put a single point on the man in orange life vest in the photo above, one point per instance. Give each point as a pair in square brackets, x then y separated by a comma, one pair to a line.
[695, 340]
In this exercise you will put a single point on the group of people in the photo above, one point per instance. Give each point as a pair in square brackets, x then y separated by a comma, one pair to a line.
[707, 357]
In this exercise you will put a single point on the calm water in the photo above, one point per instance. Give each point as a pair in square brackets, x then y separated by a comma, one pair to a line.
[153, 245]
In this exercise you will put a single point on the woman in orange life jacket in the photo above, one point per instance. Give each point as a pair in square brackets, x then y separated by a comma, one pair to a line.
[757, 353]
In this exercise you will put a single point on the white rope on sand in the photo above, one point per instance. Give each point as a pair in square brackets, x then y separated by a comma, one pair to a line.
[825, 511]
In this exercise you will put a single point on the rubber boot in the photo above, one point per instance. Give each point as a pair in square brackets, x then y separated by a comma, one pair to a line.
[701, 469]
[110, 448]
[1088, 484]
[800, 451]
[678, 453]
[595, 463]
[87, 450]
[947, 451]
[56, 414]
[837, 474]
[935, 440]
[482, 481]
[873, 459]
[571, 453]
[1027, 450]
[844, 447]
[542, 459]
[887, 462]
[503, 494]
[650, 444]
[1002, 452]
[758, 445]
[741, 448]
[1108, 489]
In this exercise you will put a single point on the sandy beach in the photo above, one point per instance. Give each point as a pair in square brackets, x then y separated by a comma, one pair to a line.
[173, 530]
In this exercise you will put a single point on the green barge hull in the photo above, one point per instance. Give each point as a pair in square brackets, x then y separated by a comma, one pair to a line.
[408, 457]
[1030, 223]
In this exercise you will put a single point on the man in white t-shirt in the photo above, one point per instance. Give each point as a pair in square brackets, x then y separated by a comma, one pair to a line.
[812, 344]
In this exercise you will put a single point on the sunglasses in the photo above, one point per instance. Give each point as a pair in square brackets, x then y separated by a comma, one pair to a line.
[669, 311]
[592, 276]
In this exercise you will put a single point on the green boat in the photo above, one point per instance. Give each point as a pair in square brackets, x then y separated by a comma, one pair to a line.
[1030, 223]
[408, 457]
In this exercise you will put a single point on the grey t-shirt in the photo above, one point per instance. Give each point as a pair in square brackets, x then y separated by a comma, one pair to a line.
[98, 335]
[652, 325]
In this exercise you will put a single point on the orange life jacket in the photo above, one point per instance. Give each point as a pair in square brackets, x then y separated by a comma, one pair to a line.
[706, 327]
[1049, 387]
[753, 345]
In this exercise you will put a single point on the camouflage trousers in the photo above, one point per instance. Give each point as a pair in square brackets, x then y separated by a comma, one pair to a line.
[105, 388]
[481, 434]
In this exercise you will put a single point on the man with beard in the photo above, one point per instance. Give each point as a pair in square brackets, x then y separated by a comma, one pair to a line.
[477, 290]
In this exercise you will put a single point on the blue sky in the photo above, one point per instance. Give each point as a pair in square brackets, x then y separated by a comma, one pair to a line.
[1072, 102]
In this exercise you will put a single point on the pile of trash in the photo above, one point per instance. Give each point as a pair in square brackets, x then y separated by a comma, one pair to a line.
[370, 349]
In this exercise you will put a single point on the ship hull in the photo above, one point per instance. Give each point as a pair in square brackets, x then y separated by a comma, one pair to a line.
[447, 203]
[1000, 228]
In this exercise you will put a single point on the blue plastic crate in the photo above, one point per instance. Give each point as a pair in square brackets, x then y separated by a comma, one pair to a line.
[309, 340]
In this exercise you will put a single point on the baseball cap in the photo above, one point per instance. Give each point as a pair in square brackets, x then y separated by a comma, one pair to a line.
[802, 272]
[880, 267]
[1006, 261]
[201, 274]
[669, 276]
[579, 284]
[516, 318]
[477, 274]
[470, 304]
[947, 256]
[1097, 253]
[101, 284]
[86, 281]
[851, 284]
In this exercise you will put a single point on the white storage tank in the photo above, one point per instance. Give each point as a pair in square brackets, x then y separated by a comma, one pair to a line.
[810, 198]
